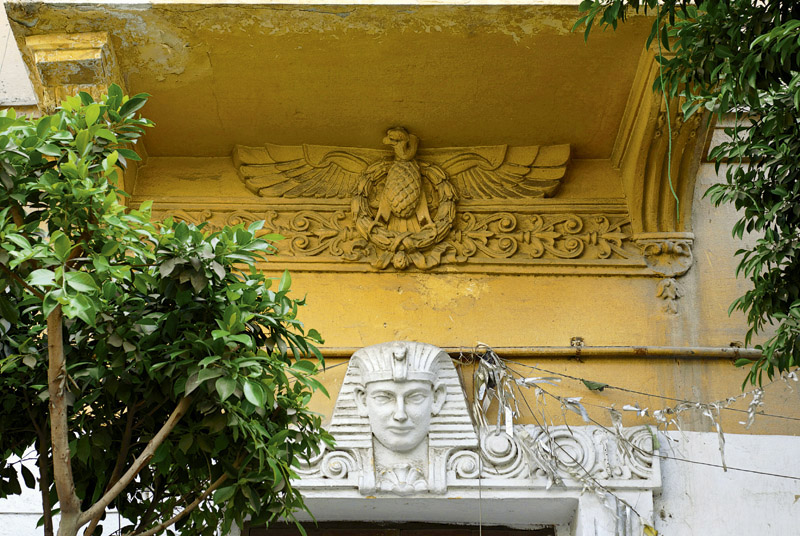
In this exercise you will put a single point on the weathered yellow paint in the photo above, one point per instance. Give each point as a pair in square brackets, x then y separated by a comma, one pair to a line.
[340, 75]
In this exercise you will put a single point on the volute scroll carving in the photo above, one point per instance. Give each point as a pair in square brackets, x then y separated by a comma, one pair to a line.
[402, 427]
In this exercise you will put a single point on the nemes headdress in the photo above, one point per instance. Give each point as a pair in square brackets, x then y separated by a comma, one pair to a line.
[398, 362]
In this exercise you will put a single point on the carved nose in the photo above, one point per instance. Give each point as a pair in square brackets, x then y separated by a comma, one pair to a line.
[400, 411]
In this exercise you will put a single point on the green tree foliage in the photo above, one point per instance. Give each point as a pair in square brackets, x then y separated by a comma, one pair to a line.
[740, 59]
[153, 367]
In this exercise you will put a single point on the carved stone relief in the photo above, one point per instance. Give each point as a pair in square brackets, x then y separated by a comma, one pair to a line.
[478, 237]
[670, 255]
[402, 427]
[479, 209]
[404, 203]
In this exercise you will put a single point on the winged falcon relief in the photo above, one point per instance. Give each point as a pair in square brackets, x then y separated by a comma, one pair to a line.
[403, 200]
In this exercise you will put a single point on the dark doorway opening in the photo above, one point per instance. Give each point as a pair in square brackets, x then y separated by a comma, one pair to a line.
[392, 529]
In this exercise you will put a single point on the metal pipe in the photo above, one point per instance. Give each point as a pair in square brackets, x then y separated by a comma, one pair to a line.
[707, 352]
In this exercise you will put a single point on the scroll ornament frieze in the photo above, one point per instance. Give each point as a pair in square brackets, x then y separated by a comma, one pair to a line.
[402, 427]
[473, 236]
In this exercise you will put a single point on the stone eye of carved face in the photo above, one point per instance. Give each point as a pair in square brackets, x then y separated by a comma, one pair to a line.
[388, 397]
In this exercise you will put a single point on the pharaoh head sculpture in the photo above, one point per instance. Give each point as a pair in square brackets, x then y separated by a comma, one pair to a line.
[399, 393]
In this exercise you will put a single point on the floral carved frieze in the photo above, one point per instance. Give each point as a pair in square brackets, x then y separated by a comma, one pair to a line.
[487, 209]
[328, 234]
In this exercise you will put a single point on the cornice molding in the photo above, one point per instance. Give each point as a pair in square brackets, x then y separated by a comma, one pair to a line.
[651, 177]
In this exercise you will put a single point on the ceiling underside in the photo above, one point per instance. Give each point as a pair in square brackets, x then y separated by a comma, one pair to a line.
[223, 74]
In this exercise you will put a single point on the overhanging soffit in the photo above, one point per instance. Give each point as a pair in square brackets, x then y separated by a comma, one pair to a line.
[497, 98]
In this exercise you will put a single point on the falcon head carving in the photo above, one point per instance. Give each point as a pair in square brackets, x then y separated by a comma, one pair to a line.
[405, 145]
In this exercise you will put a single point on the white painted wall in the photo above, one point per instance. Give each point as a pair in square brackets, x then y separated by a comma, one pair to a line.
[15, 88]
[19, 514]
[700, 500]
[695, 499]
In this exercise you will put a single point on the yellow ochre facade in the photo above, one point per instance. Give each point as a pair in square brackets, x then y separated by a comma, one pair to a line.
[576, 259]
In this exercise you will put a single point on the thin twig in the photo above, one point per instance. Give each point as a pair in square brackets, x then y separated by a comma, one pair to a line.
[21, 281]
[183, 513]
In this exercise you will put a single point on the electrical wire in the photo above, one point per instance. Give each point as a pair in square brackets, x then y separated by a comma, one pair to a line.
[664, 456]
[652, 395]
[669, 122]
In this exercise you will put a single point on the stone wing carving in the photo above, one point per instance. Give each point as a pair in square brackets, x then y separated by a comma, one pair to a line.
[303, 170]
[501, 171]
[314, 171]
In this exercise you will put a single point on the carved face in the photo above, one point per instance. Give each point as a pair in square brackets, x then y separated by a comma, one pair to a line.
[400, 412]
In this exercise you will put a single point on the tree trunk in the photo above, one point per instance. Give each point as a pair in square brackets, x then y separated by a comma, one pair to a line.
[68, 525]
[59, 430]
[44, 485]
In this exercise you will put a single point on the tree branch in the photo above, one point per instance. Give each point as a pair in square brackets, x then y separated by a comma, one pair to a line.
[17, 214]
[44, 488]
[21, 281]
[100, 506]
[59, 430]
[156, 498]
[158, 528]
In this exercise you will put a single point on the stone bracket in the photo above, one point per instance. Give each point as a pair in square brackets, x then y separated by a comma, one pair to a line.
[64, 64]
[668, 254]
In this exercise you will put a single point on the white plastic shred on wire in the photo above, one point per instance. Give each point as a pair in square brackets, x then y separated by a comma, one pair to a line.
[493, 380]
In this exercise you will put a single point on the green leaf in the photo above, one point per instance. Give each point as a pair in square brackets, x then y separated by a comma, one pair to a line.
[50, 301]
[208, 360]
[130, 155]
[114, 96]
[109, 248]
[209, 374]
[192, 383]
[82, 307]
[92, 113]
[223, 495]
[186, 442]
[305, 366]
[41, 278]
[254, 393]
[133, 104]
[43, 126]
[28, 477]
[594, 386]
[61, 245]
[48, 149]
[82, 141]
[8, 311]
[81, 281]
[286, 282]
[106, 135]
[225, 387]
